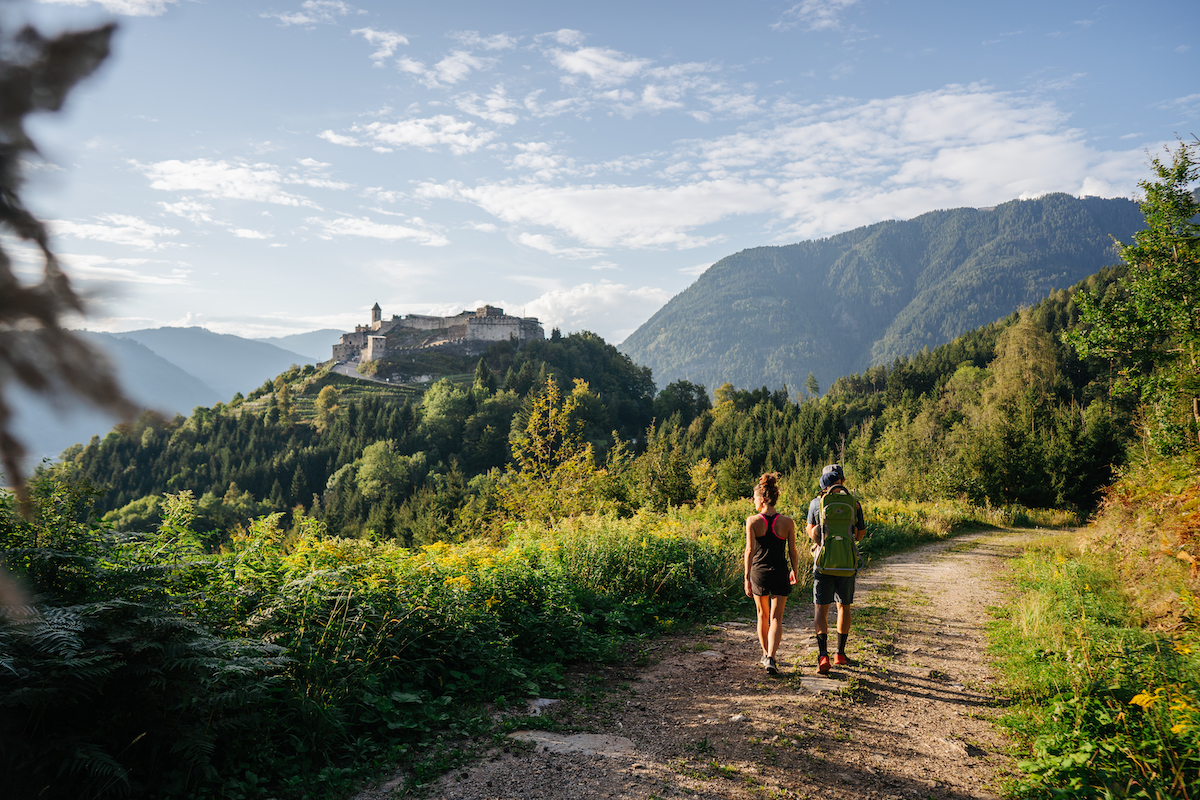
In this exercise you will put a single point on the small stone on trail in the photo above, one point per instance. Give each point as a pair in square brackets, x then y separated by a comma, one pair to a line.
[817, 684]
[587, 743]
[738, 718]
[536, 706]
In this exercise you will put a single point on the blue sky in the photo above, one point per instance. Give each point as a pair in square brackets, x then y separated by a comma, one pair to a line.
[265, 168]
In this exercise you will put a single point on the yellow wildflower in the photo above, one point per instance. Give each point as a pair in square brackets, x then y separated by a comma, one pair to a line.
[1146, 700]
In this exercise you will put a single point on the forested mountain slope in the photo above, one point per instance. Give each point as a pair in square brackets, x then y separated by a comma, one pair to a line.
[770, 315]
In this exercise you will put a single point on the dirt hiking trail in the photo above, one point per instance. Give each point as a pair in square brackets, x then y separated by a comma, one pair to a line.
[695, 716]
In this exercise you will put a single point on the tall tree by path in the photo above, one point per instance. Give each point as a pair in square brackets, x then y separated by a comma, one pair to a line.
[1149, 327]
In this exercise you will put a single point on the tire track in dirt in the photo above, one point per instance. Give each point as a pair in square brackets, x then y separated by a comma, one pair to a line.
[909, 718]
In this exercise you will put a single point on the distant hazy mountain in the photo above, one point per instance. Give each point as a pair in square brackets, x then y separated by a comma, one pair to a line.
[227, 363]
[149, 379]
[770, 315]
[314, 344]
[170, 370]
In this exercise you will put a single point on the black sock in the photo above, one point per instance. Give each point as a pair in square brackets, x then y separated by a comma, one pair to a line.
[823, 644]
[842, 643]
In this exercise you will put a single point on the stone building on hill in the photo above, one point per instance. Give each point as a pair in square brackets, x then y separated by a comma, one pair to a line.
[474, 330]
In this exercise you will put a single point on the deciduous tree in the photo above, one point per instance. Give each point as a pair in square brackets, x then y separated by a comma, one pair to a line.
[1150, 326]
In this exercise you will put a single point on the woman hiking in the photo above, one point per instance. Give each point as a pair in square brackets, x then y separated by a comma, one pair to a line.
[770, 544]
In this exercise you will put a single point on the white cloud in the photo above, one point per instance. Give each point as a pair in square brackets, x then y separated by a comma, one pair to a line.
[128, 8]
[313, 12]
[443, 129]
[566, 37]
[695, 271]
[121, 229]
[452, 69]
[814, 15]
[553, 108]
[312, 163]
[540, 158]
[499, 41]
[539, 241]
[386, 195]
[494, 108]
[351, 226]
[486, 227]
[246, 233]
[337, 138]
[385, 42]
[231, 180]
[1189, 104]
[190, 210]
[457, 66]
[611, 215]
[603, 66]
[851, 163]
[831, 168]
[612, 310]
[102, 268]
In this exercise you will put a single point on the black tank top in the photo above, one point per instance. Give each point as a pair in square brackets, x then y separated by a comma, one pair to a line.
[770, 551]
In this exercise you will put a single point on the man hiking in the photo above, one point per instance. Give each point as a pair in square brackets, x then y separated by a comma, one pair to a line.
[835, 525]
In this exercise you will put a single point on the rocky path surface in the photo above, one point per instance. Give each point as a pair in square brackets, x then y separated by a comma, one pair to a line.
[695, 716]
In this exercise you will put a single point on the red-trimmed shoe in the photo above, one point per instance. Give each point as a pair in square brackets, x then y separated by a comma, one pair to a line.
[841, 660]
[823, 664]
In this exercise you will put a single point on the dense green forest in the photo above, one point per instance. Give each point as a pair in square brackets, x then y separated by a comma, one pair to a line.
[835, 306]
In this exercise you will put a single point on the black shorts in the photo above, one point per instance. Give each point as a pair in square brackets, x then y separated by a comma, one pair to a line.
[828, 589]
[770, 581]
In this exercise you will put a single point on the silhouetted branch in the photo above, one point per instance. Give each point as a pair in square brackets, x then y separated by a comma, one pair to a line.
[36, 74]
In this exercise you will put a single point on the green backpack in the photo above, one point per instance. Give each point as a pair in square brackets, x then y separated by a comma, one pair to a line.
[837, 553]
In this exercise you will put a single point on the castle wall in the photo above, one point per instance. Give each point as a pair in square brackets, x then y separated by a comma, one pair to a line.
[376, 348]
[501, 329]
[486, 324]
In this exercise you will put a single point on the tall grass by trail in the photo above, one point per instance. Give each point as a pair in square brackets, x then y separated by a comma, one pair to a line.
[290, 662]
[1109, 708]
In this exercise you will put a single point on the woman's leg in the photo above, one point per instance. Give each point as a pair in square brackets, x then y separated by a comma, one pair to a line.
[762, 605]
[778, 602]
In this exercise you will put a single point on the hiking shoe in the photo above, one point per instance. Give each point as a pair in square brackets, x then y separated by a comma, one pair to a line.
[841, 660]
[765, 663]
[823, 664]
[772, 669]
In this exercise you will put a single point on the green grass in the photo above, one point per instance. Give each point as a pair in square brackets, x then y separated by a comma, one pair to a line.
[1106, 708]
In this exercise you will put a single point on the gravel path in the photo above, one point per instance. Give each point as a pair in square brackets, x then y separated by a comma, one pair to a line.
[698, 718]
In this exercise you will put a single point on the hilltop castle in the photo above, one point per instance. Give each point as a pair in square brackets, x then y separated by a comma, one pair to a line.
[479, 328]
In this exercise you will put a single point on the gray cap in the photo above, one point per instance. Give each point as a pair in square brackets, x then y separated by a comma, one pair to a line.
[831, 475]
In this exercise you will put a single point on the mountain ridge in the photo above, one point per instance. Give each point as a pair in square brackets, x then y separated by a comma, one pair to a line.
[835, 306]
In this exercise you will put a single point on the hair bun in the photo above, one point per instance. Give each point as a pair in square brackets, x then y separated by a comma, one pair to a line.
[768, 485]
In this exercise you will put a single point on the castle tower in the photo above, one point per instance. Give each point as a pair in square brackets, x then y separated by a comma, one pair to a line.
[376, 317]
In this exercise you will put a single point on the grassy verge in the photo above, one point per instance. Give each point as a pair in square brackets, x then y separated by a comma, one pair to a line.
[1107, 708]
